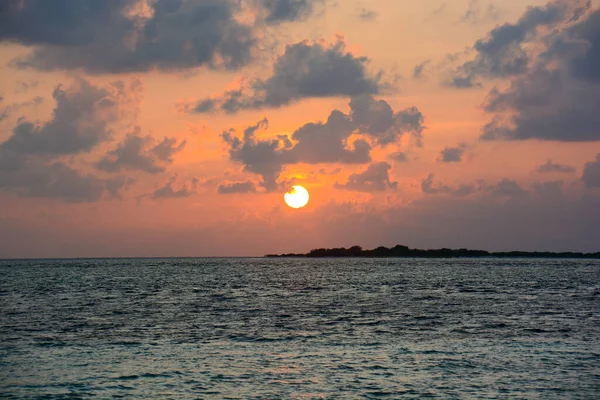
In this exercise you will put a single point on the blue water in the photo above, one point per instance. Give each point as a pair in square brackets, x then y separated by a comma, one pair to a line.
[299, 329]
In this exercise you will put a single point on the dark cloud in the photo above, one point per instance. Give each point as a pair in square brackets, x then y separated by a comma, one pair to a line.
[57, 180]
[551, 190]
[428, 186]
[558, 99]
[80, 121]
[551, 167]
[452, 154]
[138, 152]
[419, 69]
[112, 36]
[3, 110]
[236, 187]
[375, 178]
[503, 54]
[170, 190]
[377, 119]
[591, 173]
[287, 10]
[32, 158]
[304, 70]
[325, 142]
[507, 188]
[261, 157]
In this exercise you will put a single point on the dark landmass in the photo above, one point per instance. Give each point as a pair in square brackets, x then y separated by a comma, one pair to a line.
[406, 252]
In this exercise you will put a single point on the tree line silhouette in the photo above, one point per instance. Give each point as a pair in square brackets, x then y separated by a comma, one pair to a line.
[400, 251]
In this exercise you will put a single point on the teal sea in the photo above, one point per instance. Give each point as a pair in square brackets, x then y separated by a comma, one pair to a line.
[299, 329]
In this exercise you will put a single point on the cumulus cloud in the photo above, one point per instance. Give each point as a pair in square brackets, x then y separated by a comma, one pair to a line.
[549, 60]
[503, 52]
[552, 167]
[80, 120]
[375, 178]
[557, 99]
[236, 187]
[137, 152]
[32, 158]
[116, 36]
[173, 189]
[452, 154]
[262, 157]
[324, 142]
[305, 69]
[591, 173]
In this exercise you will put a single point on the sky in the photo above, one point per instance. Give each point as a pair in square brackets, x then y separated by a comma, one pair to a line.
[174, 127]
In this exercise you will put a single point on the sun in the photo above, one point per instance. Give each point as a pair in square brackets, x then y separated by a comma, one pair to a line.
[297, 197]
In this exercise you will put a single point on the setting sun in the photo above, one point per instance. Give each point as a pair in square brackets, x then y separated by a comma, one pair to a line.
[297, 197]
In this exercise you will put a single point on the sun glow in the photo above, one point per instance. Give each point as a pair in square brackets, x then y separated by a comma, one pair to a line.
[297, 197]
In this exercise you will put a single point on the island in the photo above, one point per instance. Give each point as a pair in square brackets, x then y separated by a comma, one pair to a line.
[400, 251]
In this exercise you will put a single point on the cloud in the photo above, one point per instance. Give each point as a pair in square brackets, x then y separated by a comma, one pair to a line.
[557, 99]
[419, 69]
[305, 70]
[503, 52]
[452, 154]
[236, 187]
[141, 153]
[58, 180]
[170, 190]
[591, 173]
[11, 108]
[117, 36]
[80, 121]
[552, 167]
[377, 119]
[507, 188]
[474, 13]
[399, 156]
[367, 15]
[24, 86]
[32, 159]
[375, 178]
[287, 10]
[334, 171]
[324, 142]
[262, 157]
[428, 186]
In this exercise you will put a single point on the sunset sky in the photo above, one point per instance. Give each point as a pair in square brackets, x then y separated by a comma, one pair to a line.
[174, 127]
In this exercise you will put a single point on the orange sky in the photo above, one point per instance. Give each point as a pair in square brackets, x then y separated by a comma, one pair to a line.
[66, 192]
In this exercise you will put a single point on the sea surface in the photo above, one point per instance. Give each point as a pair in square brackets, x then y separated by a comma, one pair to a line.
[300, 329]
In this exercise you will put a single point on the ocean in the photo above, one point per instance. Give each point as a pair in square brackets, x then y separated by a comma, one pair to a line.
[300, 328]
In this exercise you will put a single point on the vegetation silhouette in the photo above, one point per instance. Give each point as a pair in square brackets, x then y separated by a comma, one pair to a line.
[400, 251]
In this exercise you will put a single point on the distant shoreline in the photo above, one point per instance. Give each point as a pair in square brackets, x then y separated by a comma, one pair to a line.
[400, 251]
